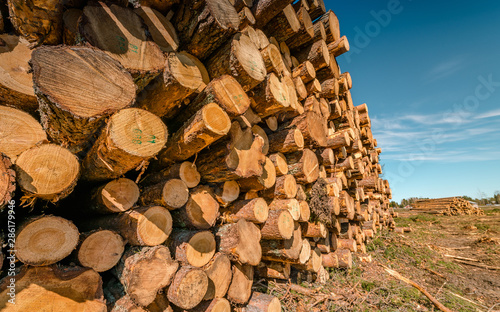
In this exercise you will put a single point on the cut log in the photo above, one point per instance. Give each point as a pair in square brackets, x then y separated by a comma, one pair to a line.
[339, 46]
[292, 92]
[349, 244]
[330, 260]
[313, 264]
[246, 18]
[276, 270]
[331, 23]
[161, 5]
[16, 83]
[40, 21]
[204, 26]
[183, 75]
[122, 35]
[313, 128]
[272, 59]
[344, 257]
[32, 237]
[330, 89]
[144, 271]
[171, 194]
[317, 53]
[241, 285]
[100, 250]
[303, 166]
[7, 184]
[283, 250]
[131, 137]
[260, 302]
[216, 305]
[265, 181]
[70, 26]
[284, 25]
[305, 72]
[144, 226]
[265, 10]
[304, 38]
[280, 165]
[254, 210]
[286, 140]
[185, 171]
[160, 28]
[278, 226]
[115, 196]
[192, 247]
[285, 187]
[47, 171]
[160, 304]
[226, 193]
[270, 97]
[315, 230]
[219, 275]
[64, 117]
[305, 211]
[54, 288]
[201, 210]
[240, 241]
[292, 205]
[188, 287]
[239, 157]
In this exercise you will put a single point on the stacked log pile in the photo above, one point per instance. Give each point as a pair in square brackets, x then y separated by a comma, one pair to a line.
[170, 152]
[449, 206]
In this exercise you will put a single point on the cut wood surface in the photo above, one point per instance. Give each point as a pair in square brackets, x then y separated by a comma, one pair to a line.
[219, 275]
[100, 250]
[54, 288]
[240, 290]
[253, 210]
[192, 247]
[16, 82]
[89, 77]
[201, 210]
[115, 196]
[185, 171]
[188, 287]
[171, 194]
[262, 302]
[279, 225]
[7, 183]
[240, 241]
[161, 29]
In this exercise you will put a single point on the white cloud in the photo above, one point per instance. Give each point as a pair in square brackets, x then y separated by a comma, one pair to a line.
[492, 113]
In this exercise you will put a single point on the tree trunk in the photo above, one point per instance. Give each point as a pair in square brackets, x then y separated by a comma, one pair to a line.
[317, 53]
[265, 181]
[241, 285]
[280, 165]
[305, 71]
[171, 194]
[284, 188]
[330, 260]
[303, 166]
[265, 10]
[284, 25]
[183, 75]
[273, 59]
[304, 38]
[314, 230]
[331, 23]
[61, 90]
[188, 287]
[227, 192]
[270, 97]
[219, 275]
[131, 137]
[115, 196]
[254, 210]
[339, 46]
[16, 82]
[47, 171]
[286, 140]
[39, 21]
[54, 288]
[193, 247]
[344, 257]
[278, 226]
[122, 35]
[100, 250]
[144, 226]
[240, 241]
[283, 250]
[313, 128]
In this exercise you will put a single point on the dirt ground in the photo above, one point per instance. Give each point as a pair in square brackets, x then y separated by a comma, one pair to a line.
[456, 259]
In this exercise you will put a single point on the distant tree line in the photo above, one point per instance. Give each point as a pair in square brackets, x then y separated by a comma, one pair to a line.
[482, 199]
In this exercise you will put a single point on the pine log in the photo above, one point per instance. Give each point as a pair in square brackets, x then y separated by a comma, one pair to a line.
[304, 38]
[292, 93]
[314, 230]
[16, 82]
[262, 40]
[54, 288]
[278, 226]
[305, 71]
[238, 157]
[122, 34]
[305, 211]
[240, 241]
[317, 53]
[7, 184]
[185, 171]
[330, 260]
[273, 60]
[344, 257]
[286, 140]
[34, 233]
[260, 302]
[265, 181]
[313, 264]
[188, 287]
[40, 21]
[144, 226]
[131, 137]
[115, 196]
[201, 210]
[338, 139]
[349, 244]
[287, 250]
[208, 125]
[331, 24]
[63, 116]
[313, 128]
[270, 97]
[339, 46]
[241, 285]
[303, 166]
[171, 194]
[284, 25]
[292, 205]
[227, 192]
[47, 171]
[254, 210]
[280, 165]
[100, 250]
[275, 270]
[161, 29]
[194, 248]
[330, 89]
[160, 304]
[285, 187]
[144, 271]
[216, 305]
[246, 18]
[183, 75]
[266, 10]
[203, 26]
[219, 274]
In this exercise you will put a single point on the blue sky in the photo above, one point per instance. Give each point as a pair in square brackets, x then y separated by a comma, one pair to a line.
[430, 74]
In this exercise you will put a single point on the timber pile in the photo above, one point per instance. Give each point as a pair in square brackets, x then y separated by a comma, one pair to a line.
[171, 151]
[449, 206]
